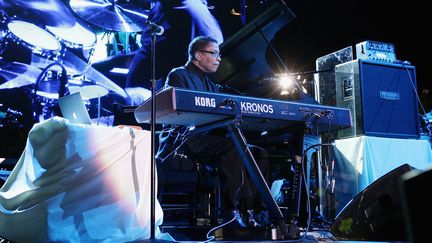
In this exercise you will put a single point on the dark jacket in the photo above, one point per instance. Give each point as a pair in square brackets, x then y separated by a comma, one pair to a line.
[188, 77]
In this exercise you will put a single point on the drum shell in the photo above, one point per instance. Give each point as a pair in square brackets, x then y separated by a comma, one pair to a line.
[32, 37]
[79, 39]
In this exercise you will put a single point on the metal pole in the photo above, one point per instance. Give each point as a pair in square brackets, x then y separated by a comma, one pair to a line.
[153, 132]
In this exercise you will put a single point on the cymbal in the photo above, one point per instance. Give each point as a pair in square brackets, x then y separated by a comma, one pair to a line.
[15, 74]
[42, 62]
[111, 15]
[41, 12]
[89, 91]
[72, 61]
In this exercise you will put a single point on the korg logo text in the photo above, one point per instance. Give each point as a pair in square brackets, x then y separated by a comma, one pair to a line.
[249, 107]
[389, 95]
[204, 101]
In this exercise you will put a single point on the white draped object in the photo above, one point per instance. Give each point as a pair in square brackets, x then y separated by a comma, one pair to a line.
[362, 160]
[79, 183]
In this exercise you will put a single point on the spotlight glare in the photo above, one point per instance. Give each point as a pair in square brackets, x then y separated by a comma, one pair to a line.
[284, 80]
[235, 13]
[284, 92]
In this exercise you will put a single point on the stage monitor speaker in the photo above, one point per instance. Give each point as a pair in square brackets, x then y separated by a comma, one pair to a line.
[375, 214]
[381, 96]
[416, 205]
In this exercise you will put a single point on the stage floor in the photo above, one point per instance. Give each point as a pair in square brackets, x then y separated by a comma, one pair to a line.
[181, 232]
[198, 234]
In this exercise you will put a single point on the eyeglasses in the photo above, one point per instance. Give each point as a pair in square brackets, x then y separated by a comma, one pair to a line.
[213, 53]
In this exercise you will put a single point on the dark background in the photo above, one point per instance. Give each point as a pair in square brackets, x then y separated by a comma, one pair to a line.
[322, 27]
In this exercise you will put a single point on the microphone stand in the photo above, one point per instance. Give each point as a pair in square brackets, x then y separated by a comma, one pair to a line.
[153, 132]
[155, 30]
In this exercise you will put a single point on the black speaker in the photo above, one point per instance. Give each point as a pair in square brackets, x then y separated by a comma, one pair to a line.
[381, 96]
[375, 214]
[415, 187]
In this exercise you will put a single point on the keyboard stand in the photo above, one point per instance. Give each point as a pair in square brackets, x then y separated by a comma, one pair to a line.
[239, 140]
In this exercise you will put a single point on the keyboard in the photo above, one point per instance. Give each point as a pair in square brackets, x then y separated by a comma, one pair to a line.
[195, 108]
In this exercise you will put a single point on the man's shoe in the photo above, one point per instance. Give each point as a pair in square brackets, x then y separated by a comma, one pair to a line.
[238, 219]
[251, 219]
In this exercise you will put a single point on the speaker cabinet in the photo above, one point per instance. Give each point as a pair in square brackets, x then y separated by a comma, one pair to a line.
[375, 214]
[382, 98]
[416, 204]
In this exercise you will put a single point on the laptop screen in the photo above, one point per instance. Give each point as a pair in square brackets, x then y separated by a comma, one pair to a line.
[73, 108]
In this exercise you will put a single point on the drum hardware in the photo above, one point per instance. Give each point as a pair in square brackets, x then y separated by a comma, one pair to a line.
[122, 43]
[114, 43]
[50, 85]
[78, 67]
[44, 110]
[3, 18]
[41, 62]
[71, 60]
[47, 93]
[9, 116]
[54, 53]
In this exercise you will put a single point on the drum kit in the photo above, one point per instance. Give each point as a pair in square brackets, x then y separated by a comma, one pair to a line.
[56, 32]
